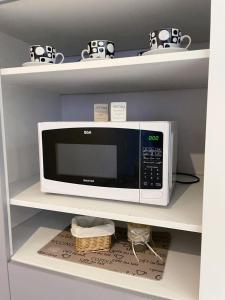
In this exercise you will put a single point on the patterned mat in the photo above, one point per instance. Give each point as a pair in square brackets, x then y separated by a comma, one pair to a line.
[119, 259]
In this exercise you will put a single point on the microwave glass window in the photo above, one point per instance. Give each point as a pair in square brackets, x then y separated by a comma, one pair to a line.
[98, 161]
[107, 157]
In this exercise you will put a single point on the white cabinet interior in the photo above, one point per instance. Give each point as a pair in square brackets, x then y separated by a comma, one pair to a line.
[160, 87]
[29, 105]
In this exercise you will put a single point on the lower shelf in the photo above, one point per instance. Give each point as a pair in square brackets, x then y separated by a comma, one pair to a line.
[181, 276]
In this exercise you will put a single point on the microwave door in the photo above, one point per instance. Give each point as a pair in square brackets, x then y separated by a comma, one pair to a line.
[99, 157]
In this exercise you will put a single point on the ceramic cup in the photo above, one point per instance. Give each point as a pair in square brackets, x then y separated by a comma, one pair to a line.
[168, 38]
[45, 54]
[99, 49]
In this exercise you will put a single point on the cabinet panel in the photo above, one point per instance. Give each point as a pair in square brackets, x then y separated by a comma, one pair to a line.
[11, 54]
[213, 245]
[30, 283]
[4, 233]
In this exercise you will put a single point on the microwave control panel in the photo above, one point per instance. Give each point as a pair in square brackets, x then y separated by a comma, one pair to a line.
[151, 159]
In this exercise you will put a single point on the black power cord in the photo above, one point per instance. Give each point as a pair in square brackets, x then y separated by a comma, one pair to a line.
[195, 178]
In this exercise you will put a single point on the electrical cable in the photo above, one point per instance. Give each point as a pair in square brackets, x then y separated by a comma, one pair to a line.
[196, 178]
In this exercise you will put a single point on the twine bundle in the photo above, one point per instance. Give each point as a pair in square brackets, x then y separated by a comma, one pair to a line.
[139, 234]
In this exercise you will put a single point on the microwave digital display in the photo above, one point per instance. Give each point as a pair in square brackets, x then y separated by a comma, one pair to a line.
[96, 161]
[153, 138]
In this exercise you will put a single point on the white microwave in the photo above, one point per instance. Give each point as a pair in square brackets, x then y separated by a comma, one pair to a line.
[126, 161]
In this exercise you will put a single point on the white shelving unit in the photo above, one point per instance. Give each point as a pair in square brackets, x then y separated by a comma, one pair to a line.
[161, 84]
[188, 69]
[183, 216]
[183, 213]
[178, 283]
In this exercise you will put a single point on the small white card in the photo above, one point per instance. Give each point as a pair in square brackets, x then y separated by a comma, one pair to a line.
[101, 112]
[118, 111]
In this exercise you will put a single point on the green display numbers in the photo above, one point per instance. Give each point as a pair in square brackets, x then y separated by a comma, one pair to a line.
[153, 138]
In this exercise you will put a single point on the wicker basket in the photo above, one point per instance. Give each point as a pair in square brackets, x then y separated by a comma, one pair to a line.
[92, 234]
[101, 243]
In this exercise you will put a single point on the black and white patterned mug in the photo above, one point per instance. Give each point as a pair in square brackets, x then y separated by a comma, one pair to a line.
[99, 49]
[168, 38]
[45, 54]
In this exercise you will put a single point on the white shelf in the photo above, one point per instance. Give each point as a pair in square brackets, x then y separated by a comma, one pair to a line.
[183, 213]
[180, 70]
[181, 276]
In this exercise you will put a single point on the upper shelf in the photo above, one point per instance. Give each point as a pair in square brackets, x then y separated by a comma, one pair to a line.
[181, 70]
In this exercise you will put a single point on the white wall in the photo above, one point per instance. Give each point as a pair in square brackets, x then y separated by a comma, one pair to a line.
[13, 52]
[26, 108]
[25, 111]
[187, 107]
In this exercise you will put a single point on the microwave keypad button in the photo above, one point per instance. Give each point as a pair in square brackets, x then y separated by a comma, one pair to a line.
[152, 160]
